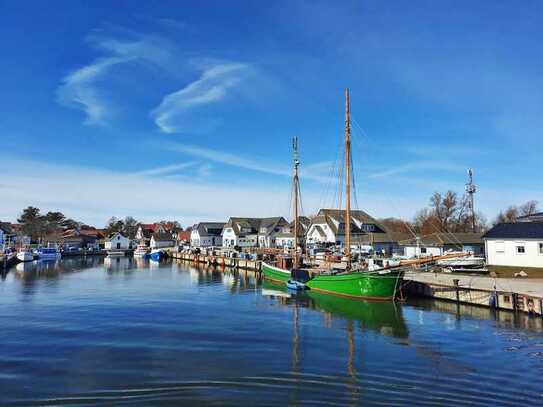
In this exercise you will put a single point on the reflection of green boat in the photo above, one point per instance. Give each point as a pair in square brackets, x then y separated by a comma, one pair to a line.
[384, 317]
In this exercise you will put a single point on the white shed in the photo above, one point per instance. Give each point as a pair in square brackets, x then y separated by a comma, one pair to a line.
[117, 241]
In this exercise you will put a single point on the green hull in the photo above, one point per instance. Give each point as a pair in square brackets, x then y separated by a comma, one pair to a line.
[361, 285]
[274, 273]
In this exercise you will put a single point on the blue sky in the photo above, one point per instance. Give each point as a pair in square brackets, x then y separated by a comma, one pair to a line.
[185, 110]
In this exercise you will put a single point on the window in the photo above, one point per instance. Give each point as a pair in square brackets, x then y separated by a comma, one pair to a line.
[423, 250]
[521, 250]
[506, 299]
[540, 248]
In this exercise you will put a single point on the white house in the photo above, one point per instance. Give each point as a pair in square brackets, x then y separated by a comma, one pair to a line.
[515, 244]
[161, 240]
[206, 234]
[286, 238]
[329, 226]
[253, 232]
[117, 241]
[436, 244]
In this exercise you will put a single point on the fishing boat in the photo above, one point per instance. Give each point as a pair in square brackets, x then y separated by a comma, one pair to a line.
[353, 282]
[25, 255]
[48, 253]
[284, 274]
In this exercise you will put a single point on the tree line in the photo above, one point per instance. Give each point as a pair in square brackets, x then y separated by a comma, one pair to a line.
[450, 213]
[52, 224]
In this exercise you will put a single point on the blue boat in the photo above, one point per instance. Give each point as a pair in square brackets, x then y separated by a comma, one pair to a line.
[157, 255]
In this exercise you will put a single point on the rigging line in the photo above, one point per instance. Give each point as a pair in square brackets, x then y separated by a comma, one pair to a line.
[329, 183]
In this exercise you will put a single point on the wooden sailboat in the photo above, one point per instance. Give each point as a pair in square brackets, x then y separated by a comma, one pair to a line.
[276, 273]
[362, 284]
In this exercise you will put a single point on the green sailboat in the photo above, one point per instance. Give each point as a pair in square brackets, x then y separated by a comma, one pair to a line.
[359, 284]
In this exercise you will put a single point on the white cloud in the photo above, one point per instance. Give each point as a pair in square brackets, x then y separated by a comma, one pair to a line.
[164, 170]
[80, 89]
[212, 86]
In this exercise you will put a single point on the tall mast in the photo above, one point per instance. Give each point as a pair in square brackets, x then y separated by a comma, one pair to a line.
[295, 185]
[347, 179]
[471, 189]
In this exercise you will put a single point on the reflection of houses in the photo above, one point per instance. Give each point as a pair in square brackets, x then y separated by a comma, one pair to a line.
[206, 234]
[329, 227]
[161, 240]
[253, 232]
[117, 241]
[286, 238]
[517, 244]
[436, 244]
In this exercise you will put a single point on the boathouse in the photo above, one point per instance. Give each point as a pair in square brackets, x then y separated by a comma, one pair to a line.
[117, 241]
[436, 244]
[518, 244]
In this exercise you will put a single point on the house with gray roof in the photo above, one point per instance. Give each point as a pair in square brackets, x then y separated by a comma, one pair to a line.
[206, 234]
[286, 238]
[329, 227]
[518, 244]
[253, 232]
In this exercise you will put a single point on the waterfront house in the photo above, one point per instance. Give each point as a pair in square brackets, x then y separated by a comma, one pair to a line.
[206, 234]
[253, 232]
[286, 238]
[88, 238]
[329, 227]
[436, 244]
[117, 241]
[5, 234]
[161, 240]
[517, 244]
[145, 231]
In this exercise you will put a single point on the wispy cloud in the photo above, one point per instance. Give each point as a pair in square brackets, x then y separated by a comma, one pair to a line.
[78, 90]
[417, 166]
[81, 90]
[164, 170]
[212, 86]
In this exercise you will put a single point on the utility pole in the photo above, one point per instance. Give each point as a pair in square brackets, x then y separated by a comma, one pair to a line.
[470, 190]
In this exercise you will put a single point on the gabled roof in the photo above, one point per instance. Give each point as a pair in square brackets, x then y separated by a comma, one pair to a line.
[5, 227]
[209, 228]
[162, 237]
[254, 224]
[111, 235]
[445, 238]
[183, 235]
[518, 230]
[335, 219]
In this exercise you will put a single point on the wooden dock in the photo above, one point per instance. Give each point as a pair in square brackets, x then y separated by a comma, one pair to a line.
[219, 261]
[513, 294]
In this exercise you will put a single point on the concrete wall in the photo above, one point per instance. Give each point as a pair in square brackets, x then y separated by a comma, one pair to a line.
[503, 252]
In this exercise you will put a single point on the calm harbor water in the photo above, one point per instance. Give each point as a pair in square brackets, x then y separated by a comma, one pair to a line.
[124, 332]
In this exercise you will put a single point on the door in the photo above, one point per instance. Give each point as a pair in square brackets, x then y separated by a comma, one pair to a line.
[118, 245]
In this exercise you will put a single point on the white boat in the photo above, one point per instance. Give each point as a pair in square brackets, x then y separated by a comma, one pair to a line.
[141, 251]
[25, 255]
[49, 253]
[468, 262]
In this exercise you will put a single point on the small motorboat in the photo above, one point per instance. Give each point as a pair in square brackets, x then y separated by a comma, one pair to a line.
[296, 285]
[25, 255]
[157, 254]
[48, 253]
[467, 262]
